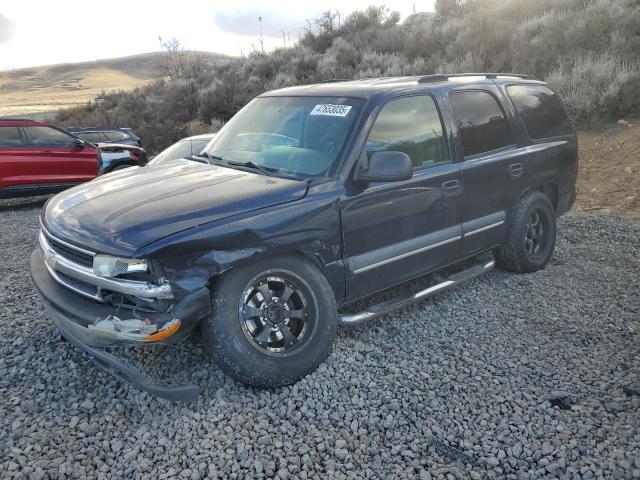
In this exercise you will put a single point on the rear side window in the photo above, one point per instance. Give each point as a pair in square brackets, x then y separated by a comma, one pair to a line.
[411, 125]
[111, 136]
[93, 137]
[10, 137]
[481, 122]
[49, 137]
[540, 110]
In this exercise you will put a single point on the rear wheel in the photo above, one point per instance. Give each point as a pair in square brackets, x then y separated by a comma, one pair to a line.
[271, 323]
[532, 235]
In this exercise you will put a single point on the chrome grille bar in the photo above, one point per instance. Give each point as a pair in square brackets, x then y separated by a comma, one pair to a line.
[58, 264]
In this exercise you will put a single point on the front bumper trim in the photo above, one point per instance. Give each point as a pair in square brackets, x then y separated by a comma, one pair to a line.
[124, 370]
[73, 315]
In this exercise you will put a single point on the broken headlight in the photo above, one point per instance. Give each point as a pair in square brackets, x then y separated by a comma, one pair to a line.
[108, 266]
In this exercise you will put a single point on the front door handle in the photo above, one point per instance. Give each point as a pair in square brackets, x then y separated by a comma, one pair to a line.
[516, 170]
[452, 188]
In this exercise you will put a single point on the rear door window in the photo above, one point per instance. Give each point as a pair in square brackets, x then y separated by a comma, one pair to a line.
[93, 137]
[111, 136]
[10, 137]
[481, 122]
[541, 111]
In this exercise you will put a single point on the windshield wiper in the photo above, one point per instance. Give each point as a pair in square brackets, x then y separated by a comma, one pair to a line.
[210, 157]
[255, 166]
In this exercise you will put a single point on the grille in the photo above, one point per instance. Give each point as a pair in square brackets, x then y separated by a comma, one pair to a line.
[71, 254]
[78, 285]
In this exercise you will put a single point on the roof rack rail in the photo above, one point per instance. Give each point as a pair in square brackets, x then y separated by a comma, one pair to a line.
[443, 77]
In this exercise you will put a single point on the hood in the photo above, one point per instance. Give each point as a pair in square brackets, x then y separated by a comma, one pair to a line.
[123, 211]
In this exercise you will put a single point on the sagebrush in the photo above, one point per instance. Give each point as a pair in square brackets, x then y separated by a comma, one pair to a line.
[588, 50]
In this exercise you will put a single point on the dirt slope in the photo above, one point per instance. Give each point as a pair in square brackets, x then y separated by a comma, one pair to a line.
[609, 173]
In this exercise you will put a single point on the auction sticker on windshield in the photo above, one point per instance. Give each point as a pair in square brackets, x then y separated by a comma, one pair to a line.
[332, 110]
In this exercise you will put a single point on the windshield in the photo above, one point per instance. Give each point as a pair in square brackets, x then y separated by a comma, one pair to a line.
[299, 136]
[182, 149]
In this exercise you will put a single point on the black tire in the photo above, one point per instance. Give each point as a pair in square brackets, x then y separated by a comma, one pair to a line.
[235, 339]
[529, 246]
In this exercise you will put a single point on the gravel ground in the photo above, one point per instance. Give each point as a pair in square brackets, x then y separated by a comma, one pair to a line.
[508, 376]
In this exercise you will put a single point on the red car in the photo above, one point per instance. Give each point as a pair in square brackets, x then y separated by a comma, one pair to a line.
[38, 158]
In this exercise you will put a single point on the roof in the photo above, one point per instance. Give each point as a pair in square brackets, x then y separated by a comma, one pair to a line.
[369, 87]
[19, 122]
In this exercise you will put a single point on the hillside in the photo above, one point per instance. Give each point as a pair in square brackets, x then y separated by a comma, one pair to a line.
[609, 172]
[51, 87]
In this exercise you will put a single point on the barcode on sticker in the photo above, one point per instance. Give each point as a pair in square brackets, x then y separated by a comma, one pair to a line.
[333, 110]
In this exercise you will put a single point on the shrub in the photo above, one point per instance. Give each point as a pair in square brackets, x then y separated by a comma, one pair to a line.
[587, 50]
[596, 87]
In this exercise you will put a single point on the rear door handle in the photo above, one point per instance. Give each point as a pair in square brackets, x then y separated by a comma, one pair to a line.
[452, 188]
[516, 170]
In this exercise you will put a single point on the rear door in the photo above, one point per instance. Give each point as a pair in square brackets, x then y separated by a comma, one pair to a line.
[16, 162]
[394, 231]
[493, 165]
[57, 158]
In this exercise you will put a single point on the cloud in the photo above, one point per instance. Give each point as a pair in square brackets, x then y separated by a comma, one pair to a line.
[245, 22]
[6, 29]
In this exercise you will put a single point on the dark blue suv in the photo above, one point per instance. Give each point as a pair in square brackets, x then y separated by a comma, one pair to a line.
[309, 199]
[105, 134]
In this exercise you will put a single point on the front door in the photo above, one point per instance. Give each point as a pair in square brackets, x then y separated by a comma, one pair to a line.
[16, 169]
[58, 160]
[394, 231]
[493, 167]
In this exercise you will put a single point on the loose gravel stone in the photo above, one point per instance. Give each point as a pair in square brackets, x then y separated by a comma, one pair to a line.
[472, 369]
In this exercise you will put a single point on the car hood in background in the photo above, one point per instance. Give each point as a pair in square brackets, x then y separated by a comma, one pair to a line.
[123, 211]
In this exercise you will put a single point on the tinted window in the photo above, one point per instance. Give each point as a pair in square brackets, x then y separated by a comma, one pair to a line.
[541, 111]
[93, 137]
[481, 122]
[111, 136]
[10, 137]
[411, 125]
[49, 137]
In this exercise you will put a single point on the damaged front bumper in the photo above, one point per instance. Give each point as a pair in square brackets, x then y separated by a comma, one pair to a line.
[90, 326]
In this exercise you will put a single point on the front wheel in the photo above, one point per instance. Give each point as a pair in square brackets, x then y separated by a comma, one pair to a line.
[532, 235]
[271, 323]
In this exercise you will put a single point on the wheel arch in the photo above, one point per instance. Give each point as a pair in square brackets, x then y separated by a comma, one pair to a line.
[333, 272]
[550, 189]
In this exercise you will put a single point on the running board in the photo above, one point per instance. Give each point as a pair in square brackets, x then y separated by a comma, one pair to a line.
[390, 305]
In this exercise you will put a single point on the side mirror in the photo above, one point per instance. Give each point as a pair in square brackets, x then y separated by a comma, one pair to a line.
[78, 143]
[387, 167]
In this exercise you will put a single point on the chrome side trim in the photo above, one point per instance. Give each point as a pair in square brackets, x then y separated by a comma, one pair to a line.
[136, 288]
[390, 305]
[405, 255]
[478, 230]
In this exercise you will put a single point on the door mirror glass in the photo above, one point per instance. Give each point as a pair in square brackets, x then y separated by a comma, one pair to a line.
[389, 166]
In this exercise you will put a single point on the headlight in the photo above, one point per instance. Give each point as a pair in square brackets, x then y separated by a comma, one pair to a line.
[108, 266]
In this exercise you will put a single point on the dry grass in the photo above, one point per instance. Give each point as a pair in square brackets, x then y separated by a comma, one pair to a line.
[41, 94]
[51, 87]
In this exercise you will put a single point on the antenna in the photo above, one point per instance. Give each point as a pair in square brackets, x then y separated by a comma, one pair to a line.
[261, 38]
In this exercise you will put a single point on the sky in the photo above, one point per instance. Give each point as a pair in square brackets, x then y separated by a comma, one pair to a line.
[43, 32]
